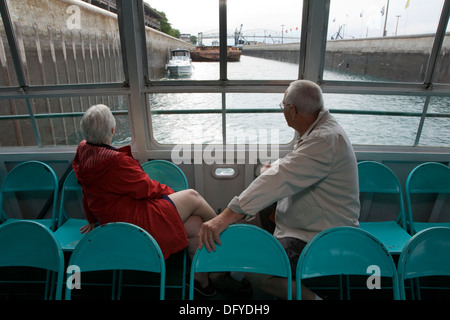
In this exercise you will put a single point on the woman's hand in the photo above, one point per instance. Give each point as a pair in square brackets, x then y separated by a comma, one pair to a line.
[87, 228]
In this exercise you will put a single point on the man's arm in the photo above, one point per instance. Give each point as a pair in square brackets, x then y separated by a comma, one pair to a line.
[210, 231]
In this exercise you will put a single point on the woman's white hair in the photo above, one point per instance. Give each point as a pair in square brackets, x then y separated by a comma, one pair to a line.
[97, 124]
[305, 95]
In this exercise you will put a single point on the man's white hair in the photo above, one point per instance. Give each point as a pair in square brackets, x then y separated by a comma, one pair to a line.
[305, 95]
[97, 124]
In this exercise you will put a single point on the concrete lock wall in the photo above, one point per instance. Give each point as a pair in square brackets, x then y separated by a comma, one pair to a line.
[66, 42]
[375, 57]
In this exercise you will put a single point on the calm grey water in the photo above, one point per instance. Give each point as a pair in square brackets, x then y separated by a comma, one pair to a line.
[263, 128]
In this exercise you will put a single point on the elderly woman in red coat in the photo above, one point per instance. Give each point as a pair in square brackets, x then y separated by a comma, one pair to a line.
[116, 189]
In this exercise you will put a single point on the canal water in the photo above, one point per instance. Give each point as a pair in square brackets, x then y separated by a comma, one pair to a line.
[269, 127]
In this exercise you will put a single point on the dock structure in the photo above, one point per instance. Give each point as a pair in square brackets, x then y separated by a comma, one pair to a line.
[373, 57]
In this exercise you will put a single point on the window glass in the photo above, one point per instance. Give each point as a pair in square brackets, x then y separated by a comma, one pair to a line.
[56, 121]
[259, 127]
[171, 127]
[379, 40]
[180, 25]
[8, 75]
[269, 37]
[436, 131]
[442, 71]
[377, 128]
[62, 43]
[196, 125]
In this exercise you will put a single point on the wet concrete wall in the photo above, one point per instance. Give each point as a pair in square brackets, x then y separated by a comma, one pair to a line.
[66, 42]
[391, 58]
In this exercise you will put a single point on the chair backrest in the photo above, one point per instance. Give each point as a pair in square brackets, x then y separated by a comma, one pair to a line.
[119, 246]
[245, 248]
[167, 173]
[427, 253]
[375, 177]
[29, 244]
[31, 176]
[70, 185]
[345, 251]
[429, 177]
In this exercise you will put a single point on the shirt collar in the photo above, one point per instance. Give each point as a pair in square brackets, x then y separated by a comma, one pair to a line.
[322, 114]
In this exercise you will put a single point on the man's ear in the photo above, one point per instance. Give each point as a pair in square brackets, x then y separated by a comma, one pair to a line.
[292, 111]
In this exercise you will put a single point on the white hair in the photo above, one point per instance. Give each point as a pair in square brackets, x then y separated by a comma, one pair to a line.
[305, 95]
[97, 124]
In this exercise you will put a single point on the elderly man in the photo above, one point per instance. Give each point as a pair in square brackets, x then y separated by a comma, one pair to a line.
[316, 185]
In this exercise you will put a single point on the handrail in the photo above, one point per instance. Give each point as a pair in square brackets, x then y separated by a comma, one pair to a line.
[229, 111]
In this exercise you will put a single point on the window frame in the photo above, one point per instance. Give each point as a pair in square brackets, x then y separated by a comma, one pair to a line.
[137, 86]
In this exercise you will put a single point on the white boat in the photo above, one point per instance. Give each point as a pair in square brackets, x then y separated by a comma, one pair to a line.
[179, 63]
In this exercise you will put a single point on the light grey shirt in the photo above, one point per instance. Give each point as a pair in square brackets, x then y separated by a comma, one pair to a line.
[316, 185]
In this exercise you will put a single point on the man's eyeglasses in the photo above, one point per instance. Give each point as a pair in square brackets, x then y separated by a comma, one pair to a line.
[281, 105]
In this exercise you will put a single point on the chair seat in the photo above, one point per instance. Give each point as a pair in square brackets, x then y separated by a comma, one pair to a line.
[69, 233]
[420, 226]
[390, 234]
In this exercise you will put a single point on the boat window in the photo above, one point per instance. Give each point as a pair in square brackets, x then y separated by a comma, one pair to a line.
[199, 30]
[381, 76]
[443, 61]
[8, 76]
[376, 119]
[186, 118]
[436, 128]
[381, 40]
[269, 37]
[64, 43]
[247, 118]
[56, 121]
[256, 118]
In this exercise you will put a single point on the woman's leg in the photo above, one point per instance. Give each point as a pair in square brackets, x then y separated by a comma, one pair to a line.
[193, 211]
[191, 203]
[192, 226]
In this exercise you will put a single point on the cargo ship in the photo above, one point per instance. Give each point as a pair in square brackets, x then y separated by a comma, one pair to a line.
[211, 53]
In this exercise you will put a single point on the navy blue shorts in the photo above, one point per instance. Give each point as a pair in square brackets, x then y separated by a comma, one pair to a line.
[293, 248]
[165, 197]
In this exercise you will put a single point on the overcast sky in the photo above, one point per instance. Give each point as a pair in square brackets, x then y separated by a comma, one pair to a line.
[357, 18]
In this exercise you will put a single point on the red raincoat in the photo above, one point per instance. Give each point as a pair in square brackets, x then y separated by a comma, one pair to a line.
[116, 189]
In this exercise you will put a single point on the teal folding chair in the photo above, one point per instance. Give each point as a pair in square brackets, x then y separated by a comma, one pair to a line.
[376, 178]
[117, 246]
[345, 251]
[245, 248]
[25, 243]
[68, 228]
[31, 179]
[167, 173]
[433, 180]
[427, 254]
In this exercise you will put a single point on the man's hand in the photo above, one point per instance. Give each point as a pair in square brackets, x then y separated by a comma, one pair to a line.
[87, 228]
[210, 231]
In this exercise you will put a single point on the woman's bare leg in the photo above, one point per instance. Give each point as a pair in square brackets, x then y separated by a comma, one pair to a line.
[192, 226]
[191, 203]
[193, 211]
